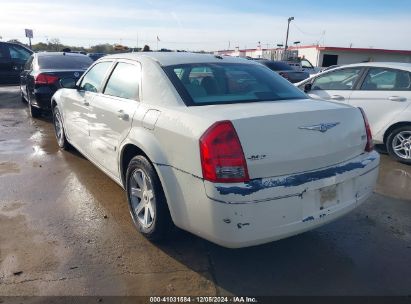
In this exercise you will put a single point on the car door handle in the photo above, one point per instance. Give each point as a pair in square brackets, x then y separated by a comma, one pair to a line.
[86, 103]
[397, 98]
[337, 97]
[122, 115]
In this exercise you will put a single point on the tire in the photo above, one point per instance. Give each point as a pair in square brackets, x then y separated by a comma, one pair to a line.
[399, 144]
[23, 99]
[34, 112]
[59, 130]
[146, 200]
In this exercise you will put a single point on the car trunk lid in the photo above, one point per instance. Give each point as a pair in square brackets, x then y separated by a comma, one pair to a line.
[60, 74]
[285, 137]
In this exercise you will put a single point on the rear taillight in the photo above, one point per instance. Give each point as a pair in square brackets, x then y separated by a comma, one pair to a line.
[222, 157]
[369, 146]
[45, 79]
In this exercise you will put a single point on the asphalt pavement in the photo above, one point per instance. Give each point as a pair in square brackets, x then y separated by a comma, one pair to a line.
[65, 229]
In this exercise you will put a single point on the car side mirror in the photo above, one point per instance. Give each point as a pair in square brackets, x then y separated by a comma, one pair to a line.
[308, 87]
[68, 83]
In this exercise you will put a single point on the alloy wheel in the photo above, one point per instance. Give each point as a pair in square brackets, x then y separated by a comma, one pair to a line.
[401, 145]
[142, 196]
[58, 126]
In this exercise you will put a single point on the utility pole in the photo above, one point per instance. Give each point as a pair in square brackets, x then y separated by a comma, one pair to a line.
[286, 39]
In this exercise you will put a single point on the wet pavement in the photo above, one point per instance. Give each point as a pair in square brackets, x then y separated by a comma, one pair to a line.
[65, 230]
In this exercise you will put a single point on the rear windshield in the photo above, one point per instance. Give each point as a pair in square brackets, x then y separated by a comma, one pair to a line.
[277, 66]
[222, 83]
[64, 62]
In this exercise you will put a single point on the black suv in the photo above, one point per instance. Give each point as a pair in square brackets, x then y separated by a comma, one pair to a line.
[13, 56]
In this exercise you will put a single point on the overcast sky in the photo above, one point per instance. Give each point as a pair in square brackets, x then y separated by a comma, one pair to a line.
[211, 24]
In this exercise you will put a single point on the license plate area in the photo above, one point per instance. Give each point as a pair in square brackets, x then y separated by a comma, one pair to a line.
[328, 196]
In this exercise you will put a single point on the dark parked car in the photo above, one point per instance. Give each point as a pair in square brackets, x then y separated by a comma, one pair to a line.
[78, 52]
[13, 56]
[41, 75]
[96, 56]
[285, 70]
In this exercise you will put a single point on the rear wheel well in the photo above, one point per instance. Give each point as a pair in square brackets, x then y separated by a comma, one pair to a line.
[393, 127]
[129, 151]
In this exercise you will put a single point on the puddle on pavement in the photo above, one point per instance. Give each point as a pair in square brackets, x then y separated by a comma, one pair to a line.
[394, 179]
[8, 167]
[13, 146]
[7, 123]
[43, 143]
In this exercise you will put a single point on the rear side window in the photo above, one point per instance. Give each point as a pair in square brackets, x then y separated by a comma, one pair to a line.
[95, 76]
[222, 83]
[382, 79]
[343, 79]
[124, 81]
[3, 51]
[19, 53]
[64, 62]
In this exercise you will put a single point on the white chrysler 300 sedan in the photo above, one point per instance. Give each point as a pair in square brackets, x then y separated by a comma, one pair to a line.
[221, 147]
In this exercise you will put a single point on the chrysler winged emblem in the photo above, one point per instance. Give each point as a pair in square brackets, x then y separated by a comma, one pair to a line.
[323, 127]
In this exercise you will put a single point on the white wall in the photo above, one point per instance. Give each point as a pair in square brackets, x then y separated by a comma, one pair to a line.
[352, 57]
[311, 54]
[316, 57]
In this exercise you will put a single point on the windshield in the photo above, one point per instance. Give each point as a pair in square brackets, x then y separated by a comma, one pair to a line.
[64, 62]
[222, 83]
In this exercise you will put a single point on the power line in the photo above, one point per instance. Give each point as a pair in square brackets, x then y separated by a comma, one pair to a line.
[306, 33]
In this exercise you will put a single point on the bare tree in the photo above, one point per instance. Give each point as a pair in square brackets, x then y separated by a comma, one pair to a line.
[55, 42]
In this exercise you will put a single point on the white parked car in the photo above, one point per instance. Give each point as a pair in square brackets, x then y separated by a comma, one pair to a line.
[303, 65]
[222, 147]
[383, 90]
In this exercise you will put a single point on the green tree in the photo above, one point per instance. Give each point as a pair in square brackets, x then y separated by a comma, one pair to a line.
[102, 48]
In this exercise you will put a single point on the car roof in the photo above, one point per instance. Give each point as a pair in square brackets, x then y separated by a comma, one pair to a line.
[175, 58]
[44, 54]
[395, 65]
[18, 44]
[273, 61]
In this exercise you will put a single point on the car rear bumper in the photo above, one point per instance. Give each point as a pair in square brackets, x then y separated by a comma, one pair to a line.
[42, 97]
[234, 222]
